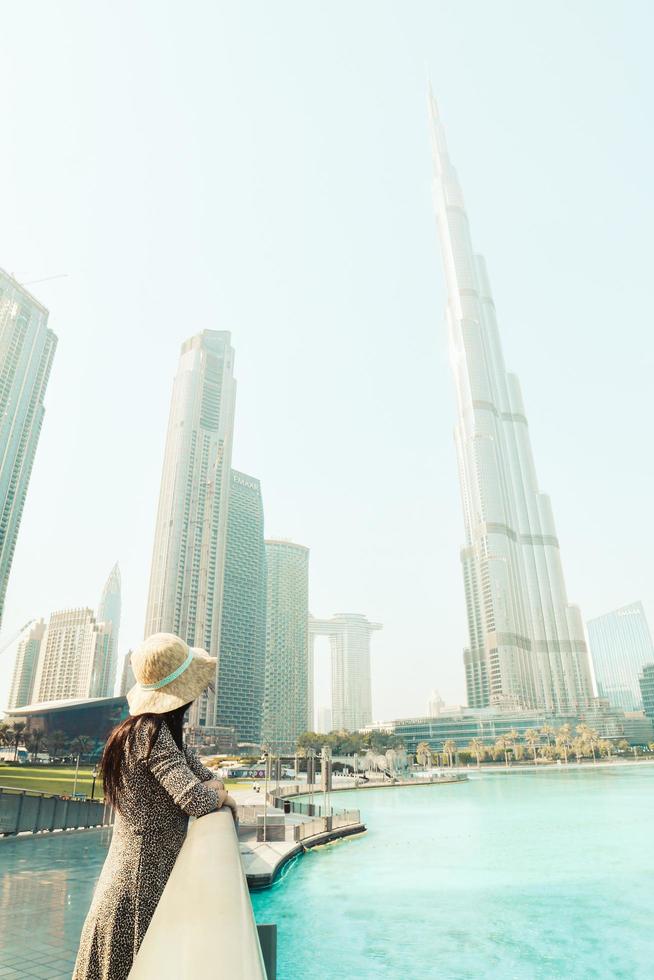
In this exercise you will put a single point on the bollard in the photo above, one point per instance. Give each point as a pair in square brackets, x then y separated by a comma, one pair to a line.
[268, 942]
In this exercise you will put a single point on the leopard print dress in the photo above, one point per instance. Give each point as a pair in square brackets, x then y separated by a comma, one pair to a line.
[160, 793]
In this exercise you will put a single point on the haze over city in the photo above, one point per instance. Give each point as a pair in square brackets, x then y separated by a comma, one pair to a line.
[181, 194]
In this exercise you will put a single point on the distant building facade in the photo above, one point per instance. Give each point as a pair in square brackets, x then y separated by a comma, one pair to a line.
[287, 711]
[26, 664]
[646, 684]
[349, 638]
[526, 647]
[241, 668]
[127, 679]
[464, 724]
[186, 580]
[620, 645]
[109, 614]
[72, 656]
[27, 349]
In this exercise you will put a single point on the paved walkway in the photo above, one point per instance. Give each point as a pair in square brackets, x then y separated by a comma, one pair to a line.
[46, 884]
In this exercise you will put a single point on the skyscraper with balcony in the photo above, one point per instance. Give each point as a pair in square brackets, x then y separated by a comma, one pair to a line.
[27, 349]
[109, 613]
[526, 645]
[72, 656]
[186, 579]
[287, 709]
[349, 638]
[620, 646]
[239, 691]
[25, 665]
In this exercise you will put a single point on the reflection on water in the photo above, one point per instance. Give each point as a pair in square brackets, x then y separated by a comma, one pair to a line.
[46, 884]
[510, 875]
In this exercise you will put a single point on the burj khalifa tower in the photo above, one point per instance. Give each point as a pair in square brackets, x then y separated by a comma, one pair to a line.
[526, 646]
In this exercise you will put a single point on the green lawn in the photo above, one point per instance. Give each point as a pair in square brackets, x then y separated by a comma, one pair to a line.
[46, 779]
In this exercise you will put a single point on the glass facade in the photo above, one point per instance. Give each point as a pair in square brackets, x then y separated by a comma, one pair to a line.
[27, 348]
[646, 684]
[526, 647]
[287, 711]
[239, 693]
[25, 665]
[109, 614]
[620, 645]
[186, 580]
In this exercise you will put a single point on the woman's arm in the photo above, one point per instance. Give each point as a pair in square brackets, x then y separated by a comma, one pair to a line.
[196, 766]
[170, 768]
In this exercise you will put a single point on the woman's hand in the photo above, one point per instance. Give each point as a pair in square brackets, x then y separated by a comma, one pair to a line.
[215, 784]
[233, 806]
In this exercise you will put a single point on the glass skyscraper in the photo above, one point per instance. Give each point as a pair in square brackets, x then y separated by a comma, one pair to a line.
[287, 711]
[27, 349]
[109, 614]
[349, 638]
[526, 645]
[188, 561]
[620, 645]
[25, 665]
[239, 691]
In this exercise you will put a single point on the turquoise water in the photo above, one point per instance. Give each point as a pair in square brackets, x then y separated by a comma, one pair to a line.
[510, 875]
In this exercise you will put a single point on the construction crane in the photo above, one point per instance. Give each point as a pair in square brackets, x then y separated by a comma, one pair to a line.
[14, 636]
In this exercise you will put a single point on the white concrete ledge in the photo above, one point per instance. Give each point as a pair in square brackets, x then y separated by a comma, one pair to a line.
[203, 925]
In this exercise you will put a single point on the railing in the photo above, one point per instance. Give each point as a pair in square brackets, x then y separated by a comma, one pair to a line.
[26, 811]
[203, 925]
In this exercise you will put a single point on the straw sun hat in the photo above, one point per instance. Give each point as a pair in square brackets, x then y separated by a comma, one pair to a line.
[168, 674]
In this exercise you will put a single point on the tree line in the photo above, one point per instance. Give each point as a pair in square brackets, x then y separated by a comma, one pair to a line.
[349, 743]
[546, 744]
[56, 743]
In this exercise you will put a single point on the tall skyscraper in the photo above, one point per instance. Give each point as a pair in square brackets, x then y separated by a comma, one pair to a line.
[349, 638]
[287, 711]
[620, 645]
[72, 656]
[239, 691]
[109, 613]
[25, 665]
[27, 348]
[646, 684]
[188, 561]
[526, 642]
[127, 679]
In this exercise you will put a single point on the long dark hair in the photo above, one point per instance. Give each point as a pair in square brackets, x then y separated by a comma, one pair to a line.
[120, 744]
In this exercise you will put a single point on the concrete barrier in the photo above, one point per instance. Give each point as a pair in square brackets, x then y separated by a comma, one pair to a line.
[25, 811]
[204, 925]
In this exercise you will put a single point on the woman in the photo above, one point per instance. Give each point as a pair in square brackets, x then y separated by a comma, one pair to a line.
[154, 784]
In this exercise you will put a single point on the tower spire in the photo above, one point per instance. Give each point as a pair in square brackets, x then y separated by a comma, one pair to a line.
[526, 643]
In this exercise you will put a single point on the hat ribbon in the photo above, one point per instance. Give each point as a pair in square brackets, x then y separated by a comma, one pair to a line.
[171, 677]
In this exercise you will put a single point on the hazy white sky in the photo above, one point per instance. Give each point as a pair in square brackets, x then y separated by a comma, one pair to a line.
[265, 168]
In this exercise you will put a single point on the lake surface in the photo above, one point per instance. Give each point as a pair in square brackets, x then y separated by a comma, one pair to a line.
[538, 874]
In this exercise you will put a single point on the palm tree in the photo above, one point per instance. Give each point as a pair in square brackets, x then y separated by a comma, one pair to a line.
[564, 740]
[35, 740]
[513, 737]
[81, 744]
[56, 741]
[449, 748]
[589, 737]
[579, 747]
[502, 744]
[15, 733]
[423, 754]
[532, 738]
[4, 733]
[477, 748]
[548, 732]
